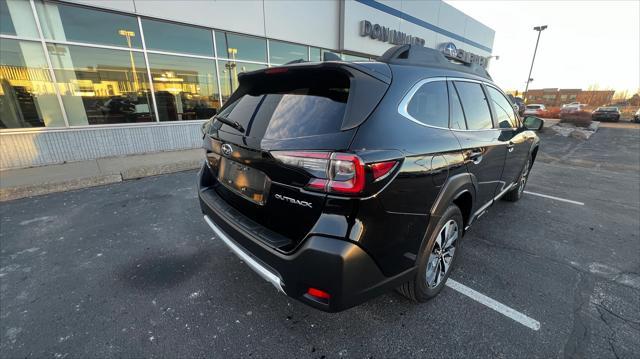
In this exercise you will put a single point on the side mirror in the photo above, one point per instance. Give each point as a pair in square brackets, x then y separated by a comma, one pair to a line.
[206, 126]
[533, 123]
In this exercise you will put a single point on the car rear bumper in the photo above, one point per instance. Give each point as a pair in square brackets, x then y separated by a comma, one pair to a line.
[605, 117]
[339, 267]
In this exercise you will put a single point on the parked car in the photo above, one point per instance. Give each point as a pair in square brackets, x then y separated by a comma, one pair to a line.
[636, 116]
[609, 113]
[575, 112]
[518, 101]
[338, 181]
[534, 110]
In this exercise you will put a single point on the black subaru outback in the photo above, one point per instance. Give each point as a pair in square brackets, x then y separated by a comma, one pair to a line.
[339, 181]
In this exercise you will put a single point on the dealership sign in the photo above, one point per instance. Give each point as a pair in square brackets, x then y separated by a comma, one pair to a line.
[385, 34]
[451, 51]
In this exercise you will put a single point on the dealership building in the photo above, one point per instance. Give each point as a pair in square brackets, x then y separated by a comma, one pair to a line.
[86, 79]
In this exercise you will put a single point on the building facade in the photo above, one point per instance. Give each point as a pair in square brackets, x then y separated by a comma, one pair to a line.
[85, 79]
[554, 97]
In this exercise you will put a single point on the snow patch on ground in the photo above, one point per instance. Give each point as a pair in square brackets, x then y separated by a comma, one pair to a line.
[570, 130]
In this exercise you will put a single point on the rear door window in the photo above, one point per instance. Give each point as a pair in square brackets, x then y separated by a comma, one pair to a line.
[504, 111]
[430, 104]
[475, 105]
[456, 120]
[291, 107]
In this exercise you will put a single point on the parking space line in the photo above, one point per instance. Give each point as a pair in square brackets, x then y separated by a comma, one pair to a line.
[493, 304]
[553, 197]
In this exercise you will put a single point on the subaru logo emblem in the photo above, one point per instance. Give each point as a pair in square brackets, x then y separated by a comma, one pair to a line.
[226, 149]
[450, 49]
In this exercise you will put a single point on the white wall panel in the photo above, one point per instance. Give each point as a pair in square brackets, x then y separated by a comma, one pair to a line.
[354, 12]
[244, 16]
[478, 32]
[314, 23]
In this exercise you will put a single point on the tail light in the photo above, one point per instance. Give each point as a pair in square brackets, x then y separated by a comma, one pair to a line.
[342, 173]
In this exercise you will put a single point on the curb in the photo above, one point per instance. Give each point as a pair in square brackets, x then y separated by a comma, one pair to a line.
[18, 192]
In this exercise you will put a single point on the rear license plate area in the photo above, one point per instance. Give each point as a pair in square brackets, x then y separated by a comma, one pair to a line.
[245, 181]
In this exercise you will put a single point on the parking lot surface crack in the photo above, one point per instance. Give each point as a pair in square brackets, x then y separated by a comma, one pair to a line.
[617, 279]
[576, 342]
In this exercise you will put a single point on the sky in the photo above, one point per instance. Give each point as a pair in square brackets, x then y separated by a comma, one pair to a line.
[587, 43]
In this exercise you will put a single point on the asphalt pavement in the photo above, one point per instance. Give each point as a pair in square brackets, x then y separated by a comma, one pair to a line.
[131, 270]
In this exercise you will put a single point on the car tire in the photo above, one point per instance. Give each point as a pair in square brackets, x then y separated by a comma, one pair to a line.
[428, 283]
[516, 193]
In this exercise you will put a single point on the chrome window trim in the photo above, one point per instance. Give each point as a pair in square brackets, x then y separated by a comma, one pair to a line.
[404, 103]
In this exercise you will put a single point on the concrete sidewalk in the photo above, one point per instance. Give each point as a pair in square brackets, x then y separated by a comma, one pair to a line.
[28, 182]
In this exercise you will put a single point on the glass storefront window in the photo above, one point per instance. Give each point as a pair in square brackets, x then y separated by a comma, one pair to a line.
[347, 57]
[166, 36]
[316, 54]
[27, 94]
[16, 18]
[185, 88]
[100, 86]
[77, 24]
[229, 71]
[240, 47]
[283, 52]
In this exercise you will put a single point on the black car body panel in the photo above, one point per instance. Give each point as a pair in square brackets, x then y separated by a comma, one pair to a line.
[258, 183]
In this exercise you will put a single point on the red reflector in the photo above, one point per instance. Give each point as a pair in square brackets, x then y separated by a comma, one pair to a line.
[318, 293]
[276, 70]
[382, 168]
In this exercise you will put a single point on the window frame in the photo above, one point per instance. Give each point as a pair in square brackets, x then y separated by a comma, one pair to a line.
[404, 103]
[494, 112]
[403, 107]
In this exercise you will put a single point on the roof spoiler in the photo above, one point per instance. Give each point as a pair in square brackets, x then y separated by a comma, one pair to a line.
[418, 55]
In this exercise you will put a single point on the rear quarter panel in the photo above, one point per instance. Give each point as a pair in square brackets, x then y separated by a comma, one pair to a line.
[395, 221]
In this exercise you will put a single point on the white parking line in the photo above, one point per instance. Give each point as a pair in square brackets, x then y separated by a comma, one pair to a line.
[553, 197]
[493, 304]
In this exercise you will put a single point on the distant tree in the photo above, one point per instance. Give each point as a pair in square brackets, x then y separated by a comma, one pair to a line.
[621, 95]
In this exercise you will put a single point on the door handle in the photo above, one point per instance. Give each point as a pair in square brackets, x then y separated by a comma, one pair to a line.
[475, 156]
[510, 146]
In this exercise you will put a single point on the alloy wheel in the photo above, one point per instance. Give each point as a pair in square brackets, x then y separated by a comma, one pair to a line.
[441, 257]
[523, 177]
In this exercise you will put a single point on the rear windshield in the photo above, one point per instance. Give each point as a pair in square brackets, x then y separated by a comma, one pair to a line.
[288, 106]
[608, 109]
[533, 107]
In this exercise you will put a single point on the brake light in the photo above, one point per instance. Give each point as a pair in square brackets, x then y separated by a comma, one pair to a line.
[346, 173]
[317, 293]
[342, 173]
[276, 70]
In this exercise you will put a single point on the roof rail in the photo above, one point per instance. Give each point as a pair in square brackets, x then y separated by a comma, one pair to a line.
[418, 55]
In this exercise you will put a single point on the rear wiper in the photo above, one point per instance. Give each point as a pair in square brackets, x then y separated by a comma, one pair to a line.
[232, 123]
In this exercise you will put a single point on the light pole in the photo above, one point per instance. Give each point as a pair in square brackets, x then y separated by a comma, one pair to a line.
[128, 35]
[539, 29]
[232, 66]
